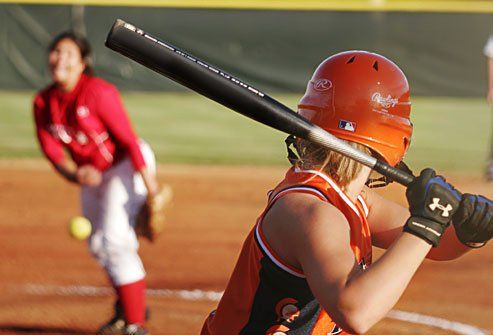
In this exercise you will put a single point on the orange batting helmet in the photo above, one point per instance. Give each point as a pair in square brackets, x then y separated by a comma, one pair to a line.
[361, 97]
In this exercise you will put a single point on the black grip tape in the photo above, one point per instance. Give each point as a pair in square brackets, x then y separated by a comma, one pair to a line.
[393, 173]
[205, 79]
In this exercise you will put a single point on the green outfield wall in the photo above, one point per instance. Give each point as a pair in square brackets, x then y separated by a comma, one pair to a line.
[273, 49]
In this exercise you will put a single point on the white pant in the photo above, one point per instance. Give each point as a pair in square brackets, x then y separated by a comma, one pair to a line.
[112, 208]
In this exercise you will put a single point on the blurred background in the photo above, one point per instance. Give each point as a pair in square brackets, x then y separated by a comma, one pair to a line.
[219, 163]
[273, 45]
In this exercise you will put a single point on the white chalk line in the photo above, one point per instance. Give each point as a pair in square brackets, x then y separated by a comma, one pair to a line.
[201, 295]
[432, 321]
[94, 291]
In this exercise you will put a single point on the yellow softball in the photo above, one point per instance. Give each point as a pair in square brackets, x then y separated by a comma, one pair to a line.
[79, 228]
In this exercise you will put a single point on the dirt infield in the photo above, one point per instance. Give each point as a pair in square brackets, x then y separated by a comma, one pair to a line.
[50, 285]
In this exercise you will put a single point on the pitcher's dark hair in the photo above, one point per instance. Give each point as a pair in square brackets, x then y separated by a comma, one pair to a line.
[83, 45]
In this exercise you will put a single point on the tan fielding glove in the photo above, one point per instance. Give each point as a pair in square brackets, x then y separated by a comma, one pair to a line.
[151, 217]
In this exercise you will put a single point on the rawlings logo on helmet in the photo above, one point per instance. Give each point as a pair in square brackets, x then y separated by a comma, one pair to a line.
[322, 85]
[385, 102]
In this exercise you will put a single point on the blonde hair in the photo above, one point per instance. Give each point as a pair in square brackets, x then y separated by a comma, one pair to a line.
[340, 168]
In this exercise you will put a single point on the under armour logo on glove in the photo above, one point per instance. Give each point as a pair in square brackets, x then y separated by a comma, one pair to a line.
[432, 202]
[445, 209]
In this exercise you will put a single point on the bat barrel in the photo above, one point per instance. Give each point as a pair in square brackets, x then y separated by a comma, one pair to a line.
[229, 91]
[203, 78]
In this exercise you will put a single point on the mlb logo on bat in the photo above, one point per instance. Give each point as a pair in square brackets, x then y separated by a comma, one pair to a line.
[347, 125]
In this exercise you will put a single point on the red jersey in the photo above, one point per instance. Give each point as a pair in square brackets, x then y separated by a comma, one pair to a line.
[266, 296]
[90, 121]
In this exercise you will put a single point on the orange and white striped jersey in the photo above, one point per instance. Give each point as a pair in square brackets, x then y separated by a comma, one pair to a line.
[266, 296]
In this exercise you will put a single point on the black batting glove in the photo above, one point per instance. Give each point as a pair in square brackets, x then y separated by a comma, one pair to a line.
[432, 203]
[473, 221]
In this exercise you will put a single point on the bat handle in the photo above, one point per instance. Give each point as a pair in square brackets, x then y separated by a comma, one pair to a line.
[396, 175]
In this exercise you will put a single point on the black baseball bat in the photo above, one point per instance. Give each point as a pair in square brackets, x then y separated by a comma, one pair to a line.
[232, 92]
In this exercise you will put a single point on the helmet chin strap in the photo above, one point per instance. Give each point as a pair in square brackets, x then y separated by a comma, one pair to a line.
[292, 156]
[378, 182]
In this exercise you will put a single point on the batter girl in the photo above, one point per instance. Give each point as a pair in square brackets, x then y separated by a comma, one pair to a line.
[306, 266]
[83, 115]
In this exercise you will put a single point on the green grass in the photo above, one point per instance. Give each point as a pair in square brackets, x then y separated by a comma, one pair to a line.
[451, 134]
